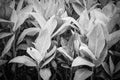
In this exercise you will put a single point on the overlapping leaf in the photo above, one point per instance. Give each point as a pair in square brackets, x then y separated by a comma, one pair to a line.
[23, 60]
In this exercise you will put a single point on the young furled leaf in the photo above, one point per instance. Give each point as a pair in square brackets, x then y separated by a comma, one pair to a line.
[23, 60]
[82, 74]
[45, 73]
[78, 61]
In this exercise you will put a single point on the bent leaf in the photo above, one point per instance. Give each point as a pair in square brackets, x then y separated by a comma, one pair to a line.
[81, 61]
[23, 60]
[82, 74]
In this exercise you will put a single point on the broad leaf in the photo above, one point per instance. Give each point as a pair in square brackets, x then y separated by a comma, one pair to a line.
[8, 45]
[27, 32]
[82, 74]
[85, 48]
[43, 42]
[62, 50]
[96, 40]
[35, 54]
[45, 73]
[23, 60]
[79, 61]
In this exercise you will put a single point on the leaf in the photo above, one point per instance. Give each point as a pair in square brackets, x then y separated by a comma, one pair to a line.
[82, 74]
[48, 60]
[90, 3]
[8, 45]
[113, 38]
[27, 32]
[12, 4]
[19, 6]
[3, 20]
[78, 61]
[85, 48]
[45, 73]
[39, 18]
[78, 8]
[2, 62]
[106, 68]
[23, 60]
[50, 52]
[22, 47]
[51, 25]
[117, 67]
[111, 65]
[4, 34]
[62, 50]
[96, 40]
[35, 54]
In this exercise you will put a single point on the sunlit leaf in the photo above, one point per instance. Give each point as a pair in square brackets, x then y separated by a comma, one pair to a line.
[51, 25]
[8, 45]
[4, 34]
[3, 20]
[51, 52]
[79, 61]
[82, 74]
[85, 48]
[62, 50]
[27, 32]
[43, 42]
[45, 73]
[96, 40]
[14, 17]
[48, 60]
[111, 65]
[40, 19]
[35, 54]
[19, 6]
[23, 60]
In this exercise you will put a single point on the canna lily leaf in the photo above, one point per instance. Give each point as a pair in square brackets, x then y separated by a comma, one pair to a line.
[23, 60]
[106, 67]
[35, 54]
[117, 67]
[82, 74]
[8, 45]
[27, 32]
[78, 61]
[45, 73]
